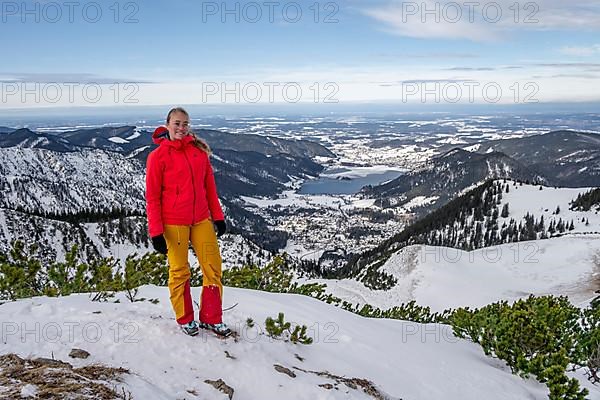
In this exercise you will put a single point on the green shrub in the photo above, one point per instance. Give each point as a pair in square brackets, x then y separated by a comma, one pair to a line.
[588, 344]
[410, 311]
[149, 269]
[536, 336]
[276, 327]
[298, 335]
[105, 278]
[280, 329]
[20, 273]
[272, 278]
[65, 278]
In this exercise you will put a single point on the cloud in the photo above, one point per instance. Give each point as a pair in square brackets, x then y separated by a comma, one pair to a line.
[422, 82]
[574, 76]
[434, 55]
[470, 69]
[581, 51]
[568, 65]
[410, 19]
[482, 22]
[79, 78]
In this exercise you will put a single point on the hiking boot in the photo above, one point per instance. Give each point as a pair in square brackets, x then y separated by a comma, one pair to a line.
[220, 329]
[190, 328]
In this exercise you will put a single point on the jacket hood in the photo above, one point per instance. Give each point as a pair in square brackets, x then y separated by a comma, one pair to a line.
[161, 137]
[161, 133]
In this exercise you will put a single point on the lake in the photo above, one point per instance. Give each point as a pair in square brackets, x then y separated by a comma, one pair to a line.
[343, 181]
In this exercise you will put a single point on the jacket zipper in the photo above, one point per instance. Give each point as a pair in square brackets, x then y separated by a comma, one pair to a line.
[176, 197]
[193, 186]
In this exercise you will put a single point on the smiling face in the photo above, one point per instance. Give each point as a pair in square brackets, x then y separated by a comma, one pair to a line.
[178, 125]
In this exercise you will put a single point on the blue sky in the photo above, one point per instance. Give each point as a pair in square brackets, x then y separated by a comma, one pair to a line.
[371, 51]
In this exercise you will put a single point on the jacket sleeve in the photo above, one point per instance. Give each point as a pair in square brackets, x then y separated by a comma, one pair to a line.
[154, 179]
[211, 194]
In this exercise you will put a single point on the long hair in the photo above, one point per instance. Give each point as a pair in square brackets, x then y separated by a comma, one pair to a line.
[199, 143]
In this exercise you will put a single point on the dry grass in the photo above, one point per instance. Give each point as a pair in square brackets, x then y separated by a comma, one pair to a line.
[55, 379]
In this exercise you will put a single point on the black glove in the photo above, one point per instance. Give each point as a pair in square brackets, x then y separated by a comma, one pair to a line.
[221, 227]
[160, 244]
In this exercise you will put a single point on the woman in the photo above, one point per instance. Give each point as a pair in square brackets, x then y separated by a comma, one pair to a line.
[182, 205]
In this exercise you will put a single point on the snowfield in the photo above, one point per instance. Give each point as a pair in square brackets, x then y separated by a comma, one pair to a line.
[402, 359]
[442, 277]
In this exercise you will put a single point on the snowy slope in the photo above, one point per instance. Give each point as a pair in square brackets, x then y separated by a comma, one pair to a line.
[442, 277]
[523, 199]
[403, 359]
[44, 180]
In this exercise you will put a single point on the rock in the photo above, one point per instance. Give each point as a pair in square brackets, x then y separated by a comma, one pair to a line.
[50, 362]
[221, 386]
[78, 353]
[284, 370]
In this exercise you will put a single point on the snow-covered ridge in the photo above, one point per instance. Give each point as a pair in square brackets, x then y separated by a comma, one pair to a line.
[44, 180]
[398, 357]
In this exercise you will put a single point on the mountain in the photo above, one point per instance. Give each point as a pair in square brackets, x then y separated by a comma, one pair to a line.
[446, 176]
[5, 129]
[351, 356]
[133, 141]
[266, 145]
[101, 171]
[26, 138]
[558, 158]
[122, 139]
[563, 158]
[251, 165]
[45, 180]
[493, 213]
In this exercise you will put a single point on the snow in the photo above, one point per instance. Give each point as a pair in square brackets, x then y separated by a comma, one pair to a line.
[297, 250]
[452, 140]
[137, 151]
[523, 199]
[442, 277]
[291, 198]
[358, 172]
[403, 359]
[136, 133]
[116, 139]
[419, 201]
[29, 391]
[472, 148]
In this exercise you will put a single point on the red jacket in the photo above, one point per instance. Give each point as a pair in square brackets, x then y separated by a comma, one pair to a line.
[180, 185]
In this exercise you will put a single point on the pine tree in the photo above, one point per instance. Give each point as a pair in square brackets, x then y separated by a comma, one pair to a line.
[504, 213]
[560, 227]
[551, 228]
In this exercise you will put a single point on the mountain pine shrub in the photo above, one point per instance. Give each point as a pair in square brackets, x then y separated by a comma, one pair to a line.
[535, 336]
[280, 329]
